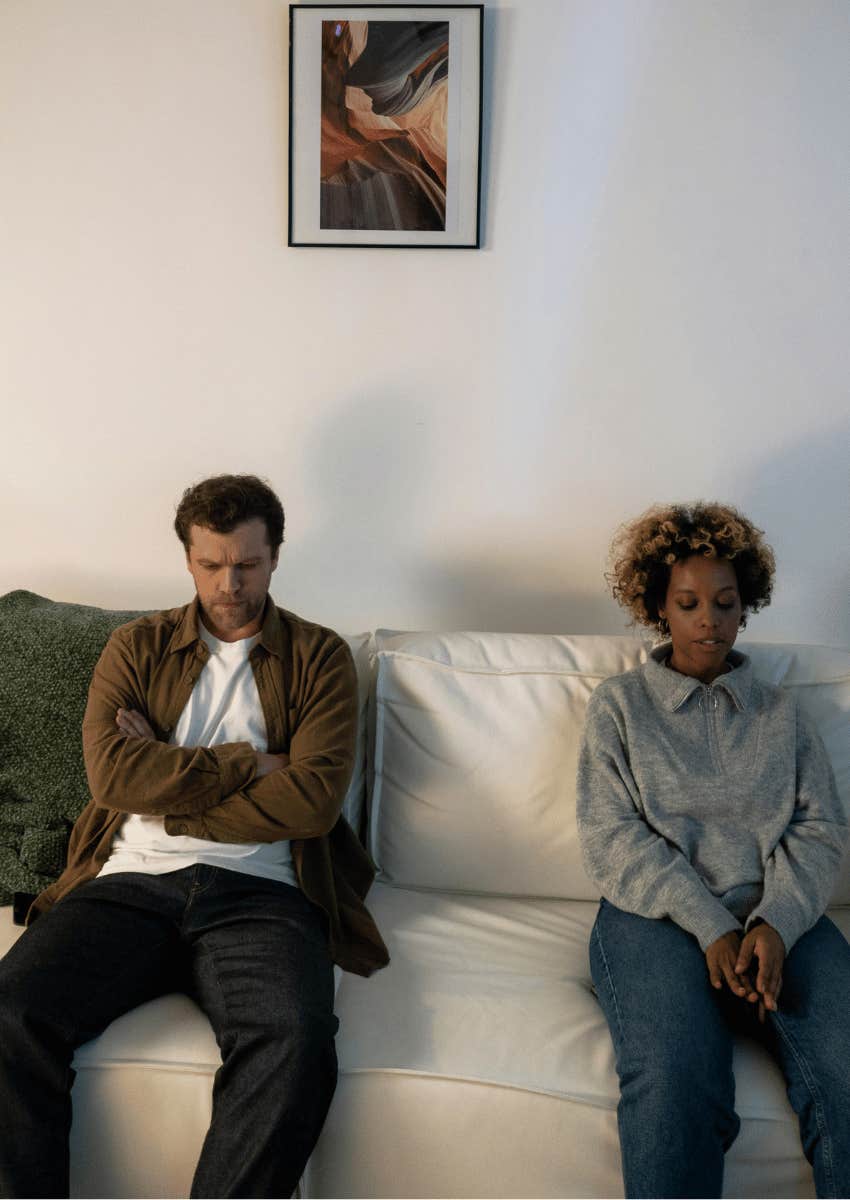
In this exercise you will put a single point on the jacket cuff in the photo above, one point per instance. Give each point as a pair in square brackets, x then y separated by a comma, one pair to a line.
[237, 766]
[184, 826]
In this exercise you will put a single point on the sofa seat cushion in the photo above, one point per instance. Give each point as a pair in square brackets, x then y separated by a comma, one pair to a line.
[483, 988]
[483, 1038]
[169, 1033]
[498, 990]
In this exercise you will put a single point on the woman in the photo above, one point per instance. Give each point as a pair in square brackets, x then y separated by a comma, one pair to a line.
[709, 818]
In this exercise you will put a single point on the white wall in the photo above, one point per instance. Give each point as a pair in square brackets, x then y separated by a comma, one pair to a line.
[660, 312]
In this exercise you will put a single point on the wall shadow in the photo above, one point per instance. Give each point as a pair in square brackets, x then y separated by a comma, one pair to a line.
[802, 500]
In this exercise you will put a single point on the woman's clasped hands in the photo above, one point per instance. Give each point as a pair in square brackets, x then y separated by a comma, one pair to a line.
[750, 966]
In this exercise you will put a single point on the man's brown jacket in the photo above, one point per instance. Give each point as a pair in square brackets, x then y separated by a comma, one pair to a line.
[308, 691]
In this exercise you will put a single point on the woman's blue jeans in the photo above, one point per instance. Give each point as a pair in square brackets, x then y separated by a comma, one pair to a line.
[254, 954]
[673, 1036]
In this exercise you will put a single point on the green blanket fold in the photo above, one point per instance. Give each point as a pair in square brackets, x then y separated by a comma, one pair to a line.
[48, 651]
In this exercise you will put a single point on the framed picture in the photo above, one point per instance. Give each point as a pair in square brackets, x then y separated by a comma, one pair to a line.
[385, 124]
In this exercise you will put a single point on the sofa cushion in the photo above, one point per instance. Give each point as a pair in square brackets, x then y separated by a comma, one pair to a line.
[483, 1028]
[48, 651]
[498, 990]
[476, 743]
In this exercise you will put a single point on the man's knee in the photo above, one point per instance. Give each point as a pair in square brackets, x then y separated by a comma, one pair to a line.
[304, 1036]
[295, 1032]
[29, 1011]
[16, 990]
[19, 1012]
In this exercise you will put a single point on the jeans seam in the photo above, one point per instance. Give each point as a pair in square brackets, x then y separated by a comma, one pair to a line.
[196, 889]
[820, 1116]
[227, 1025]
[610, 979]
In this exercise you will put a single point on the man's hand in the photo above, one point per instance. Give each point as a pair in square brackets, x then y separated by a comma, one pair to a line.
[266, 763]
[134, 724]
[765, 945]
[722, 958]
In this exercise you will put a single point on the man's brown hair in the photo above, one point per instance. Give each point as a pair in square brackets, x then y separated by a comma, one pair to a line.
[222, 502]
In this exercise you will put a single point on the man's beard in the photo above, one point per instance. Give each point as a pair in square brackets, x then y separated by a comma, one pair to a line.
[237, 613]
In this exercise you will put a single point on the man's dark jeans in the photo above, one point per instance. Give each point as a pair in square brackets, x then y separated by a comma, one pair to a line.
[252, 952]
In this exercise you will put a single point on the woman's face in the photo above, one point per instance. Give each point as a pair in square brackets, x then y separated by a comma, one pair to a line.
[703, 610]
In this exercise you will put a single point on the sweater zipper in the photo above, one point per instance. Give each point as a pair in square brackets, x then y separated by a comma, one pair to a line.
[710, 696]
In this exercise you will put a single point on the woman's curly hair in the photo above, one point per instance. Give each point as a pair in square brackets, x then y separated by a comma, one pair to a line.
[644, 550]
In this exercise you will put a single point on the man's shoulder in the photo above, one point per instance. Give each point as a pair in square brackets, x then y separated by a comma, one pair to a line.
[151, 629]
[308, 637]
[317, 655]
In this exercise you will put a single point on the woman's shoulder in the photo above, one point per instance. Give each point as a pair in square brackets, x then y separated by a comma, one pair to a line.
[619, 692]
[767, 698]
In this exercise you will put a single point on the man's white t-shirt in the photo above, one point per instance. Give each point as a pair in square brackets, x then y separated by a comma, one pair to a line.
[224, 707]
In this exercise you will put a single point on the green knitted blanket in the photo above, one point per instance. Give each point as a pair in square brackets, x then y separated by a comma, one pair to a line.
[47, 654]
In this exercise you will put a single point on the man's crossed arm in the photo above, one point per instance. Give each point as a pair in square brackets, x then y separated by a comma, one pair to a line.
[227, 792]
[133, 724]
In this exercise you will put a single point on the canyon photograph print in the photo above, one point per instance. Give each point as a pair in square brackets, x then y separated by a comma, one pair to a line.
[384, 111]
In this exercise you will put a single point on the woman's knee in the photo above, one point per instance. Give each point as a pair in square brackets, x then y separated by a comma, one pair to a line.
[678, 1097]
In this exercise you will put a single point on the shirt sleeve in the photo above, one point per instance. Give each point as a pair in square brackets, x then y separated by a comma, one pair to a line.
[802, 870]
[303, 799]
[138, 775]
[634, 866]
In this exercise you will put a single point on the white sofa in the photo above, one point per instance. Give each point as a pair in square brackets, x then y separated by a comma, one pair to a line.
[478, 1063]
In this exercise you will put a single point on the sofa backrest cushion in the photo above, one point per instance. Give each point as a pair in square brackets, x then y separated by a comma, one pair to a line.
[476, 740]
[48, 651]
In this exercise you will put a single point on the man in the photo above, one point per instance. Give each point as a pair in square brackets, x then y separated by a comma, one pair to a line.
[218, 741]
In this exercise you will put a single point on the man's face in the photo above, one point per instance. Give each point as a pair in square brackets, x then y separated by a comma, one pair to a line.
[232, 572]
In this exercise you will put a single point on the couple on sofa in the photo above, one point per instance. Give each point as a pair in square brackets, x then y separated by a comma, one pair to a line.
[219, 739]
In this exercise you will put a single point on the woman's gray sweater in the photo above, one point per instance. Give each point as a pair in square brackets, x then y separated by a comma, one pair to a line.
[709, 805]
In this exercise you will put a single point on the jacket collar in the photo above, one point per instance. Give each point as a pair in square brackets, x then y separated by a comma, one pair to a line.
[673, 689]
[272, 635]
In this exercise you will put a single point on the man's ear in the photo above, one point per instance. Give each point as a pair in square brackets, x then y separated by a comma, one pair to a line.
[275, 558]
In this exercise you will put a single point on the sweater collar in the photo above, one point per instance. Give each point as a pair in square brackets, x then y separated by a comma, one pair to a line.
[187, 631]
[673, 689]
